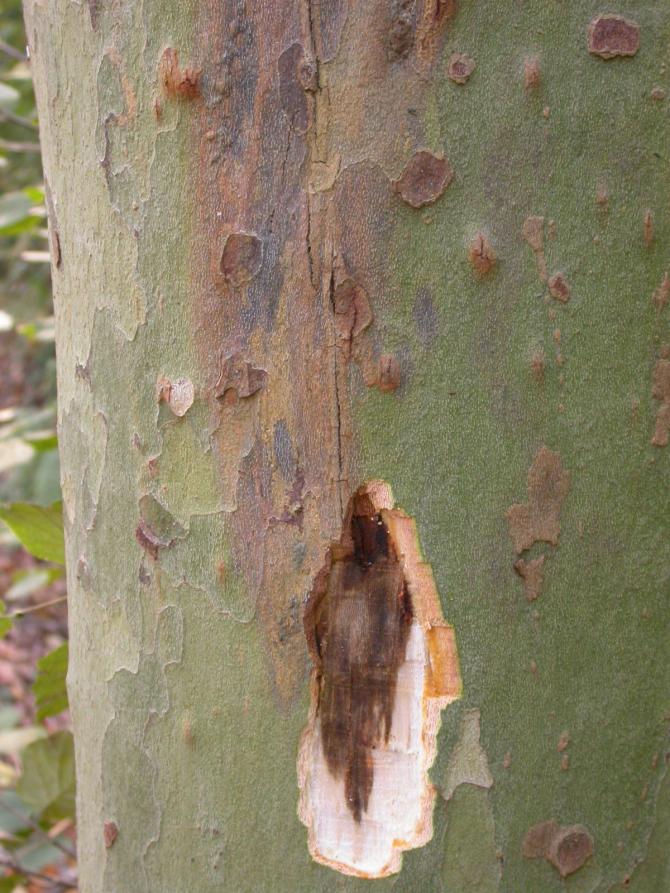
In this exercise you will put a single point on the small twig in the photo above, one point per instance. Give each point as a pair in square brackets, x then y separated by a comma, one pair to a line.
[54, 601]
[17, 119]
[12, 146]
[36, 827]
[9, 50]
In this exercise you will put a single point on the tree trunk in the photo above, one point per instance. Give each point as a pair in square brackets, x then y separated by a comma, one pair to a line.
[359, 303]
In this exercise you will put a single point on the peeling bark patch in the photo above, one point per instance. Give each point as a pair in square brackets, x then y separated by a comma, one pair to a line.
[352, 310]
[109, 833]
[533, 233]
[401, 32]
[481, 255]
[468, 763]
[239, 379]
[424, 179]
[460, 67]
[567, 848]
[296, 75]
[177, 83]
[661, 391]
[157, 529]
[539, 518]
[559, 288]
[385, 665]
[431, 27]
[613, 35]
[179, 394]
[241, 258]
[532, 574]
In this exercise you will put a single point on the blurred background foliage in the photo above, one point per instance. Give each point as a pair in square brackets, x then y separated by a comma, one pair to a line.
[37, 835]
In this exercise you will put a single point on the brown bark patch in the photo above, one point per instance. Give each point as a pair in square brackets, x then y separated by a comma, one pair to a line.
[110, 832]
[661, 295]
[532, 574]
[559, 288]
[661, 391]
[424, 179]
[389, 373]
[531, 73]
[566, 848]
[539, 518]
[177, 83]
[241, 258]
[613, 35]
[433, 19]
[481, 255]
[648, 227]
[537, 365]
[460, 67]
[533, 233]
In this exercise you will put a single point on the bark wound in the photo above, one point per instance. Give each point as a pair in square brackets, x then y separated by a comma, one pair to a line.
[559, 288]
[385, 665]
[613, 35]
[178, 83]
[481, 255]
[460, 67]
[567, 848]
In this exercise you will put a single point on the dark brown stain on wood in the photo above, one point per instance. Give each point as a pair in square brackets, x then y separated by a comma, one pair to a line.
[357, 624]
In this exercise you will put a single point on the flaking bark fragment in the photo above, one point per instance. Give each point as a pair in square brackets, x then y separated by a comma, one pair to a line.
[239, 379]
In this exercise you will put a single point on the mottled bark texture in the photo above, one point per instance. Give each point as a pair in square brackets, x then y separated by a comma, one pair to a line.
[296, 254]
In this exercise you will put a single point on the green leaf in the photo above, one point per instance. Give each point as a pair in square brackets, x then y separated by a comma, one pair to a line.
[39, 528]
[49, 688]
[25, 583]
[8, 96]
[15, 208]
[9, 884]
[47, 783]
[42, 441]
[14, 814]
